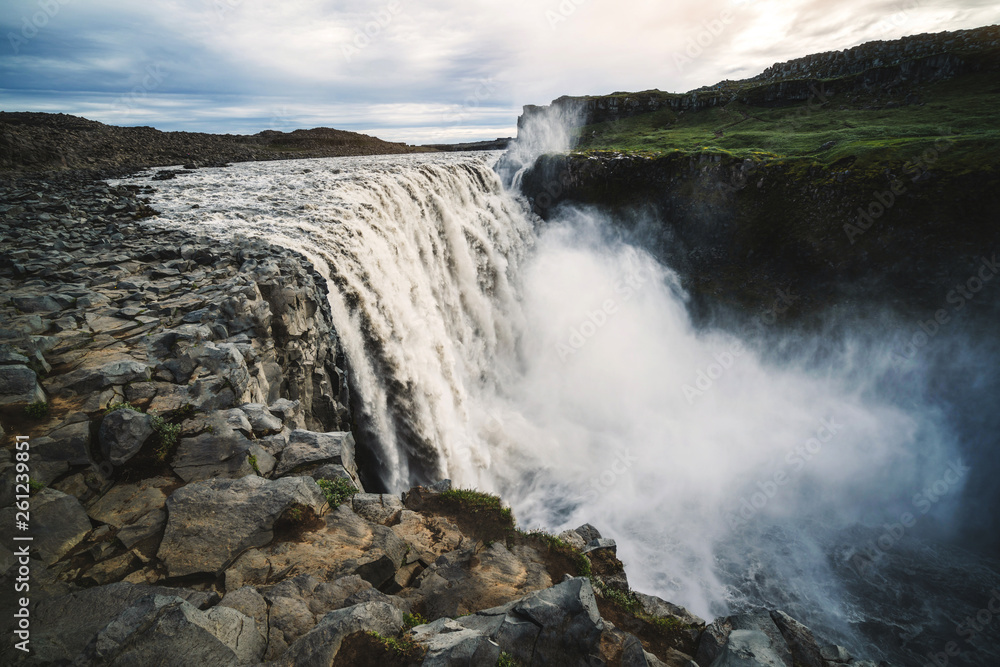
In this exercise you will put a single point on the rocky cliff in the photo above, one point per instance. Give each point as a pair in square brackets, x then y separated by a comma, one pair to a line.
[899, 63]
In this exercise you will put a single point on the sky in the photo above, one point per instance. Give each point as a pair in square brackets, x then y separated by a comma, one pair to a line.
[419, 71]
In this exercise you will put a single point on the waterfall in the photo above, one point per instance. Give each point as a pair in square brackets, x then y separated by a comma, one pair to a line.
[556, 364]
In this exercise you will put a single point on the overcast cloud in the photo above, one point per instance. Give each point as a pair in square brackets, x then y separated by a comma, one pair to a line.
[419, 71]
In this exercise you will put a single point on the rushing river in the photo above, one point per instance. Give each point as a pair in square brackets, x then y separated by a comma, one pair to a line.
[556, 364]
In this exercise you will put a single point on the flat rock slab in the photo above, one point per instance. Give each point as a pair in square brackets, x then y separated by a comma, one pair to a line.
[305, 448]
[213, 521]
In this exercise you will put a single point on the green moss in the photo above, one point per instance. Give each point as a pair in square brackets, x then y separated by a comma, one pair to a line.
[337, 490]
[37, 410]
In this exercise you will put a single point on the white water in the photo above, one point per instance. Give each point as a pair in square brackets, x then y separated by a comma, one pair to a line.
[549, 362]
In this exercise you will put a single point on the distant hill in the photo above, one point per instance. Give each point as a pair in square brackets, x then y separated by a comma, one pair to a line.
[44, 142]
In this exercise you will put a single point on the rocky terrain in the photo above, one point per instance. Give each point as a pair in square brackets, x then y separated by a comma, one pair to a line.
[195, 497]
[43, 141]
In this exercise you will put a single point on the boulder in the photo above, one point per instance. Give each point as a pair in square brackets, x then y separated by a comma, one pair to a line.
[321, 644]
[261, 420]
[69, 443]
[222, 449]
[167, 630]
[63, 626]
[19, 386]
[123, 433]
[58, 523]
[555, 626]
[376, 507]
[307, 448]
[800, 640]
[749, 648]
[211, 522]
[94, 378]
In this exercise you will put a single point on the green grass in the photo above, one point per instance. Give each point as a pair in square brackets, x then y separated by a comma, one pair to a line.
[477, 501]
[960, 115]
[413, 620]
[629, 603]
[507, 660]
[337, 491]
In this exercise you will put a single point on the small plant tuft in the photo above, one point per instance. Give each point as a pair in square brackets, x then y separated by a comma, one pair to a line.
[402, 646]
[167, 434]
[413, 620]
[507, 660]
[35, 485]
[121, 406]
[37, 410]
[337, 491]
[252, 460]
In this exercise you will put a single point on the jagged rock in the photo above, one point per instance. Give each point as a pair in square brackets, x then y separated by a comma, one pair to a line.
[123, 433]
[136, 510]
[376, 507]
[306, 448]
[297, 604]
[168, 630]
[58, 523]
[249, 602]
[468, 578]
[718, 635]
[555, 626]
[658, 608]
[448, 643]
[63, 626]
[19, 386]
[834, 653]
[601, 543]
[222, 450]
[69, 443]
[261, 420]
[35, 304]
[211, 522]
[800, 640]
[321, 644]
[285, 409]
[427, 536]
[749, 648]
[90, 379]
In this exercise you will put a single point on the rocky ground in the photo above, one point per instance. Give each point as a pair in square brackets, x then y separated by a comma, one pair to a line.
[43, 141]
[194, 497]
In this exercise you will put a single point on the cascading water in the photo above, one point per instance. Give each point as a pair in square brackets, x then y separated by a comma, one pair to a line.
[556, 364]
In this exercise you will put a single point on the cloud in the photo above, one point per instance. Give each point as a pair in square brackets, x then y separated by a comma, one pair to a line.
[461, 68]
